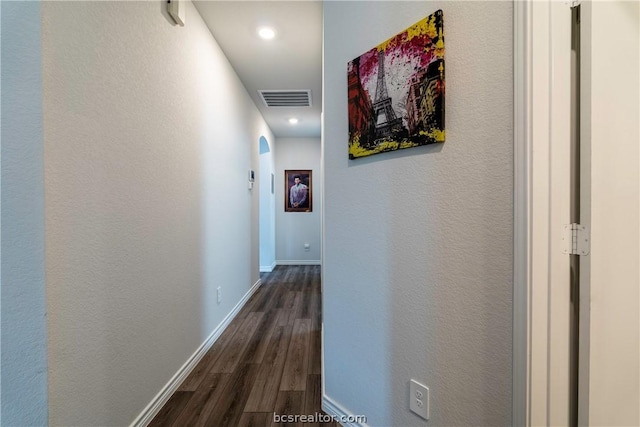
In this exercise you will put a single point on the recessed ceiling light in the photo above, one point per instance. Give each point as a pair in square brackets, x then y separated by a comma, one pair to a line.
[266, 33]
[293, 120]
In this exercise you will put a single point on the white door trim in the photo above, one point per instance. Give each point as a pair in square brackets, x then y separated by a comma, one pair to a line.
[542, 34]
[522, 209]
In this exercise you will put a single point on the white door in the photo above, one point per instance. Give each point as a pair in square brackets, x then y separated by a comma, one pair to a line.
[608, 356]
[610, 275]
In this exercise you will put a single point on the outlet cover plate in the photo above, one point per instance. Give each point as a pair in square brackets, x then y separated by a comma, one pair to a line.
[419, 399]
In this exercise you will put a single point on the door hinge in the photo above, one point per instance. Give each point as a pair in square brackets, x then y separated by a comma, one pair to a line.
[575, 239]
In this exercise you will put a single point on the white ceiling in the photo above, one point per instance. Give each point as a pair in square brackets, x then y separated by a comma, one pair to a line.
[291, 61]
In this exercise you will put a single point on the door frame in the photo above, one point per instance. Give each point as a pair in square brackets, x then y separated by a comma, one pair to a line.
[522, 54]
[542, 96]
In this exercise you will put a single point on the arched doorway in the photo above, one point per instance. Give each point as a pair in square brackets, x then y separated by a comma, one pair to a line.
[267, 207]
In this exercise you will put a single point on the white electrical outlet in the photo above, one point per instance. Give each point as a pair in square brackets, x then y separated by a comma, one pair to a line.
[219, 294]
[419, 399]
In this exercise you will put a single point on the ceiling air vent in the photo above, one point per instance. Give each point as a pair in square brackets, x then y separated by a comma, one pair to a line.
[286, 98]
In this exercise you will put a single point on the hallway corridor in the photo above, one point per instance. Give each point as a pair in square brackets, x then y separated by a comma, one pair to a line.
[266, 362]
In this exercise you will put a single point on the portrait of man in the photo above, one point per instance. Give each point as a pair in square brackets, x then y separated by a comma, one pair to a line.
[297, 191]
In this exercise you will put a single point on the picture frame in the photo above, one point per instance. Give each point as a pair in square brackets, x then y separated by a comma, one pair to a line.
[298, 190]
[396, 91]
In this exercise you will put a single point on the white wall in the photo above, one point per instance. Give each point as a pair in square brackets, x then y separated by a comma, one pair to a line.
[294, 229]
[612, 102]
[418, 243]
[23, 360]
[149, 136]
[267, 206]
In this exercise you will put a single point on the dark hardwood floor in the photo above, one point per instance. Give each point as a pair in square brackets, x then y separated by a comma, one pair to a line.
[267, 361]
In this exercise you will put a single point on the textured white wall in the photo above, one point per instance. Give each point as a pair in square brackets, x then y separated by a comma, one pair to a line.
[149, 136]
[23, 360]
[418, 243]
[294, 229]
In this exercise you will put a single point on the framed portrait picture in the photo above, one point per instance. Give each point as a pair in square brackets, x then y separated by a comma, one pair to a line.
[297, 191]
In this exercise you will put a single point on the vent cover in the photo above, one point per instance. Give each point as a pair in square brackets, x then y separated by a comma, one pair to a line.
[286, 98]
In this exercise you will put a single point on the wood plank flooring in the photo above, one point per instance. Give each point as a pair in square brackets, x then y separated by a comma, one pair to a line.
[267, 360]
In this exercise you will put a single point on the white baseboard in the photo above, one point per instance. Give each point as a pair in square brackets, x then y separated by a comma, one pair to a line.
[298, 262]
[322, 377]
[152, 409]
[267, 268]
[341, 414]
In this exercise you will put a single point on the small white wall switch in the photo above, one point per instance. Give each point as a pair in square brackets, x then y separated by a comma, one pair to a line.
[307, 247]
[419, 399]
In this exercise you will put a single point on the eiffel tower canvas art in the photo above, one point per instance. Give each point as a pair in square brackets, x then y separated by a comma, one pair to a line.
[396, 91]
